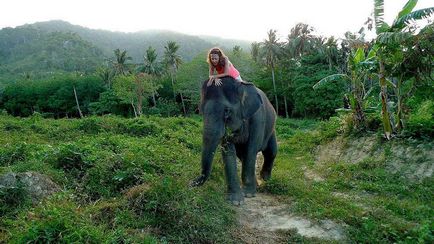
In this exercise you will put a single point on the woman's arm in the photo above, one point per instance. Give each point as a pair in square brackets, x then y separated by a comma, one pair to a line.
[216, 78]
[211, 70]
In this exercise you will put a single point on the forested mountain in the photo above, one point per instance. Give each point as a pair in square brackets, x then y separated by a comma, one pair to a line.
[135, 43]
[60, 46]
[27, 50]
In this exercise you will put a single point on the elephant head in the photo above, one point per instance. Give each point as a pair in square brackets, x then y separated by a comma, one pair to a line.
[226, 110]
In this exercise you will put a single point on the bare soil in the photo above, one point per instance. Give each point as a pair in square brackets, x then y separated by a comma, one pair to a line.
[267, 219]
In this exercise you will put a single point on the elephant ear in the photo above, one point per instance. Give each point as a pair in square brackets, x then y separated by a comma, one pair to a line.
[250, 99]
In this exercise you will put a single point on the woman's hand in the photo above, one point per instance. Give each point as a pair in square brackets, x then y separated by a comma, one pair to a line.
[211, 80]
[217, 81]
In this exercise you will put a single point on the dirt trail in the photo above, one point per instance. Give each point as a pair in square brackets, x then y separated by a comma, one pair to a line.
[265, 219]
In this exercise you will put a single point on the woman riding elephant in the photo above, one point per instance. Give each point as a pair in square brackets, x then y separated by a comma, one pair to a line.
[241, 118]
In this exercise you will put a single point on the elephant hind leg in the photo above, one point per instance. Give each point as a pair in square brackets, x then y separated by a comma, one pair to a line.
[269, 153]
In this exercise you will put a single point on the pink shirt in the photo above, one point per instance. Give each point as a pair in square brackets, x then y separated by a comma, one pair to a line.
[233, 72]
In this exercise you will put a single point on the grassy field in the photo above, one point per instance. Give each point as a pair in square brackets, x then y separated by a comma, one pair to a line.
[127, 180]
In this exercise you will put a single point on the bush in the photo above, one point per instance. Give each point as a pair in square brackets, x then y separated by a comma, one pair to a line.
[12, 126]
[59, 221]
[140, 127]
[421, 122]
[90, 125]
[109, 177]
[72, 159]
[10, 154]
[183, 215]
[164, 108]
[12, 199]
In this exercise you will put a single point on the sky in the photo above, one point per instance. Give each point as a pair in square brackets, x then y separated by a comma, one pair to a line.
[236, 19]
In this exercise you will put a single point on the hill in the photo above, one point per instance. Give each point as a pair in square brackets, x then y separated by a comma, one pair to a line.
[135, 43]
[60, 46]
[27, 50]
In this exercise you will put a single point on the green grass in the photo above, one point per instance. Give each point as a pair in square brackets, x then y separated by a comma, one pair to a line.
[126, 180]
[97, 161]
[377, 206]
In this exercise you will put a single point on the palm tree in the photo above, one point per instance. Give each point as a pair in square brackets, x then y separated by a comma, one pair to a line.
[255, 51]
[120, 65]
[300, 39]
[237, 51]
[150, 62]
[299, 42]
[173, 60]
[272, 50]
[150, 66]
[387, 37]
[106, 76]
[330, 49]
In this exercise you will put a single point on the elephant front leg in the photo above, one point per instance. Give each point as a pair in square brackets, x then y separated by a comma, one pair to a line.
[248, 175]
[235, 195]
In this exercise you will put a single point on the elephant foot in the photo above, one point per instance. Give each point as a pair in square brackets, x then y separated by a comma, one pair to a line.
[249, 193]
[265, 175]
[236, 199]
[198, 181]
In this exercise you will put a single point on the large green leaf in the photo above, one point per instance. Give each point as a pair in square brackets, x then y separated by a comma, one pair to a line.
[359, 56]
[409, 6]
[379, 16]
[392, 37]
[331, 78]
[368, 93]
[373, 52]
[390, 83]
[401, 22]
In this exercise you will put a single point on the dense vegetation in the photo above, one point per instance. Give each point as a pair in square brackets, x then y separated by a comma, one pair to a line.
[24, 42]
[118, 185]
[39, 61]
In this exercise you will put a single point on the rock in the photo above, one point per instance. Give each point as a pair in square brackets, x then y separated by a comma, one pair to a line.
[8, 180]
[37, 185]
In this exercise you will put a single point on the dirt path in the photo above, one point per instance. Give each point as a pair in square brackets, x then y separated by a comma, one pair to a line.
[265, 219]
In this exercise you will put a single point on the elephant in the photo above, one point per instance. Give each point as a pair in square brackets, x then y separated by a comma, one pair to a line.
[240, 117]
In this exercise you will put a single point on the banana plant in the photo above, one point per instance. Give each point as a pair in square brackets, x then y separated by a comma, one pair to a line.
[388, 36]
[359, 69]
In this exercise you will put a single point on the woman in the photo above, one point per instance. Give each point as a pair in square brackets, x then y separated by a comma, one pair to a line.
[220, 64]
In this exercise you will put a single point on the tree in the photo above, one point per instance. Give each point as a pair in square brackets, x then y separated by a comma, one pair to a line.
[132, 89]
[237, 50]
[330, 50]
[120, 64]
[254, 51]
[151, 67]
[173, 60]
[300, 39]
[144, 87]
[387, 37]
[190, 77]
[272, 49]
[106, 76]
[359, 67]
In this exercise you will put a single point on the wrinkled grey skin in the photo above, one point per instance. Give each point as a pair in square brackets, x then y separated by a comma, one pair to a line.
[241, 118]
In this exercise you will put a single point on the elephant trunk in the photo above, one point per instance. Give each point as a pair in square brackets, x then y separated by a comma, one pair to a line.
[211, 138]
